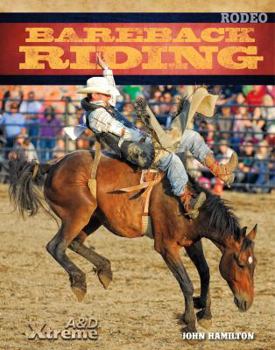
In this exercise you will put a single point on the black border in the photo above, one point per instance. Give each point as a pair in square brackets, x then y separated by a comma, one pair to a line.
[103, 17]
[140, 79]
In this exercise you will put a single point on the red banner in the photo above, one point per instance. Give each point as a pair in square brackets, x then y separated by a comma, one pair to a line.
[137, 48]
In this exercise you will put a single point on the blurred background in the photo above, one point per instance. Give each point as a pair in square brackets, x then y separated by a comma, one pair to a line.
[32, 120]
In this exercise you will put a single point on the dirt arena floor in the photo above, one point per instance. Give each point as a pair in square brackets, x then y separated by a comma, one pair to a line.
[139, 309]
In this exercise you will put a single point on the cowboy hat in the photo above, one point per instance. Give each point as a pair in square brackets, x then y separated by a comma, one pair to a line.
[99, 85]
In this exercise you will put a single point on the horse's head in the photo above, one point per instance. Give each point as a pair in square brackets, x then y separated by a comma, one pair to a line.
[237, 268]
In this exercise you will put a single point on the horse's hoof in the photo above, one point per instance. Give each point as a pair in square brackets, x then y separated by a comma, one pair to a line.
[189, 329]
[204, 320]
[78, 285]
[105, 277]
[79, 292]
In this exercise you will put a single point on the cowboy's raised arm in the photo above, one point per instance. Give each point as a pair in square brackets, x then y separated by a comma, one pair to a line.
[108, 74]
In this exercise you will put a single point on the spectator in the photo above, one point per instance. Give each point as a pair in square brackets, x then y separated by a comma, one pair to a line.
[210, 136]
[268, 112]
[25, 147]
[30, 108]
[271, 167]
[79, 116]
[258, 118]
[164, 115]
[10, 97]
[261, 165]
[256, 95]
[69, 111]
[71, 116]
[155, 101]
[225, 152]
[14, 124]
[59, 149]
[245, 128]
[246, 89]
[2, 146]
[227, 93]
[271, 135]
[239, 101]
[270, 89]
[201, 127]
[129, 111]
[5, 98]
[225, 122]
[50, 128]
[171, 89]
[82, 143]
[246, 171]
[133, 91]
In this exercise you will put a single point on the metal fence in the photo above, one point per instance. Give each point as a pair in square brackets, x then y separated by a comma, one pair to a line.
[46, 140]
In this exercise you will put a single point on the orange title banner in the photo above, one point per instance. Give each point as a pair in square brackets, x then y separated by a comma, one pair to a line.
[137, 48]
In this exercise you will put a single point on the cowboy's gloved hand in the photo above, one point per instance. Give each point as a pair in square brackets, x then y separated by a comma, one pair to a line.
[140, 107]
[180, 101]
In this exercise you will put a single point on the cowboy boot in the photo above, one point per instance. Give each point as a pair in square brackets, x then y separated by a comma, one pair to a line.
[222, 171]
[192, 202]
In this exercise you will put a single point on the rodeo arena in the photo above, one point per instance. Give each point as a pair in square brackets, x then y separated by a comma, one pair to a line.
[169, 164]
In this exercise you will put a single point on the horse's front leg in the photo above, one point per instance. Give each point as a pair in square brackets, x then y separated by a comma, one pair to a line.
[170, 254]
[195, 252]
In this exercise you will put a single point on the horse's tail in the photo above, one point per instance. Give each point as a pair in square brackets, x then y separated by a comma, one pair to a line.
[26, 180]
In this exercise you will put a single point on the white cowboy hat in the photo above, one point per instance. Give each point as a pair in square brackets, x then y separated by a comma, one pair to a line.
[100, 85]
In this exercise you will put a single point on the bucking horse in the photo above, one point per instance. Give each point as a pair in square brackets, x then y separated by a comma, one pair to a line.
[66, 191]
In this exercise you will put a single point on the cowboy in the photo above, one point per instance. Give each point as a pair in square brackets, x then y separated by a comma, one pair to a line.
[111, 127]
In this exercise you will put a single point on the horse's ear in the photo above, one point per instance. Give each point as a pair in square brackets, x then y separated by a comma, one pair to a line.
[252, 233]
[243, 231]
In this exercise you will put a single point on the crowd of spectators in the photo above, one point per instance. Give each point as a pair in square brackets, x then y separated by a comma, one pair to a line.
[244, 122]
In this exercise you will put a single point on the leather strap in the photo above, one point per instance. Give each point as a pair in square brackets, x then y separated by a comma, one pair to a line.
[92, 181]
[149, 185]
[96, 160]
[134, 188]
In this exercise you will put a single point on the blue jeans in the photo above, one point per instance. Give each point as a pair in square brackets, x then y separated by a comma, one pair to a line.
[171, 163]
[175, 171]
[193, 142]
[33, 131]
[46, 149]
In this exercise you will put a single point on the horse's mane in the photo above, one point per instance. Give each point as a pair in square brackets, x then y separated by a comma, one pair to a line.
[220, 214]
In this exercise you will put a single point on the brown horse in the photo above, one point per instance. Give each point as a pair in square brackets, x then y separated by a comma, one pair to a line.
[67, 193]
